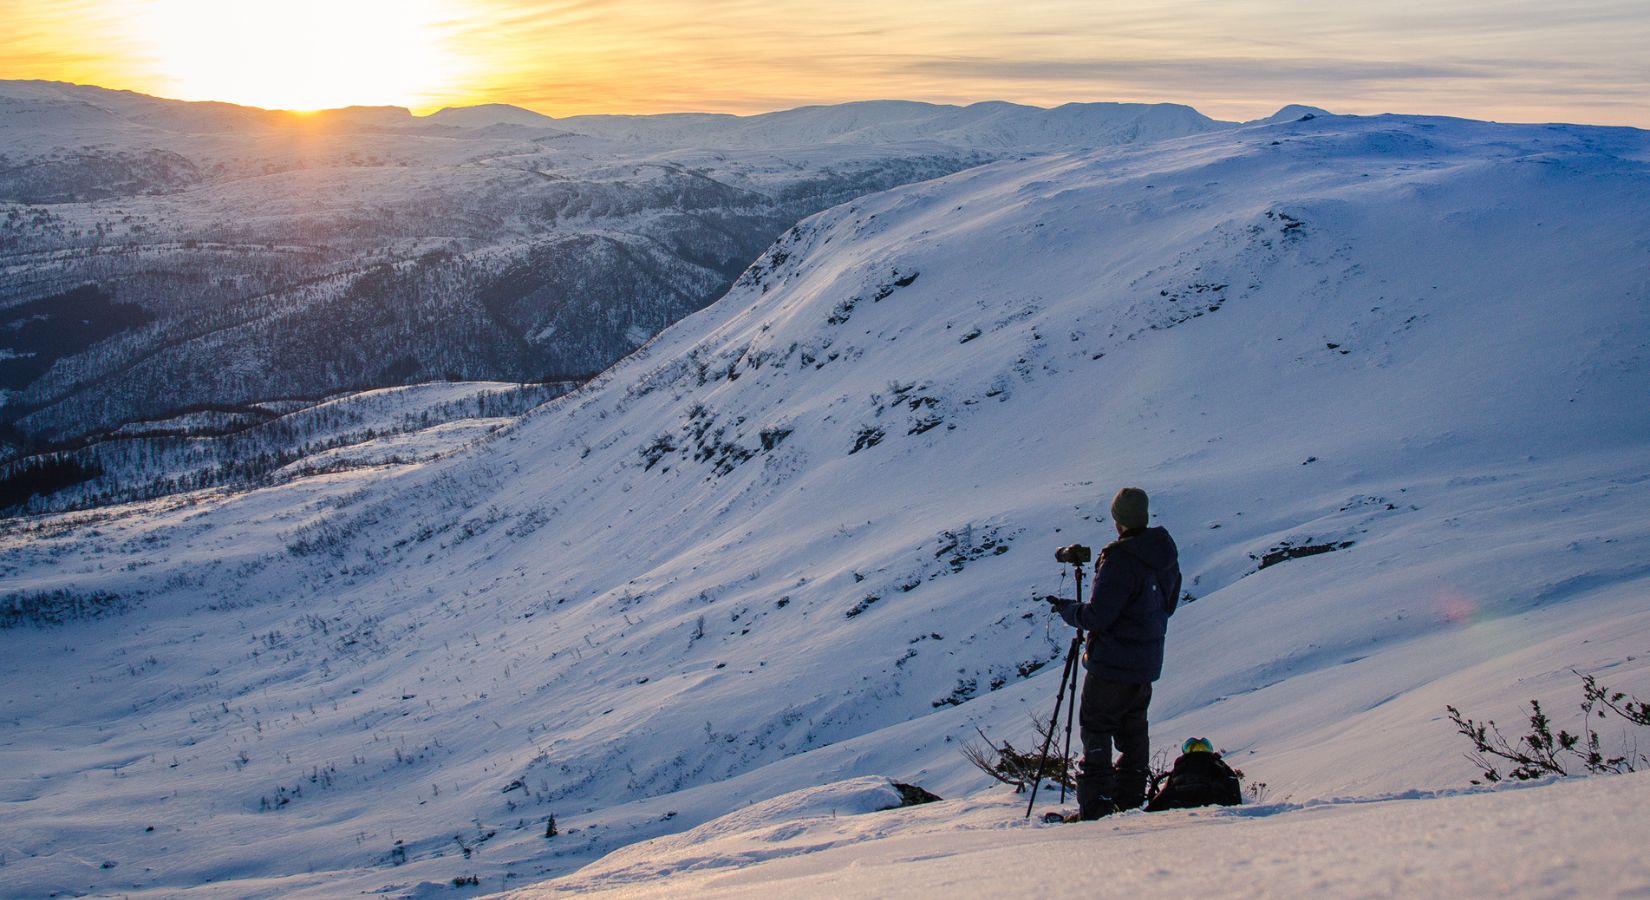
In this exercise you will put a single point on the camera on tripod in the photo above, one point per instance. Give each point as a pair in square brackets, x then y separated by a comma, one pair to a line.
[1073, 554]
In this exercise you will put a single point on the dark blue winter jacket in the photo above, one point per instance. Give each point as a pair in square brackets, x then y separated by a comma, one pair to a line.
[1136, 588]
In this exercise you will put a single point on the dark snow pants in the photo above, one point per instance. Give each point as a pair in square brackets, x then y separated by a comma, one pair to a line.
[1112, 712]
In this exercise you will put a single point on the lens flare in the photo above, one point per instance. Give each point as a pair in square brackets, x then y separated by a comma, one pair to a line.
[1456, 607]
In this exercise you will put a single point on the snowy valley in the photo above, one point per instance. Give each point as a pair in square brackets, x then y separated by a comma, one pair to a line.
[163, 259]
[792, 546]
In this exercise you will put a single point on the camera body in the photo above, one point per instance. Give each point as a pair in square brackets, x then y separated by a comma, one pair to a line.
[1073, 554]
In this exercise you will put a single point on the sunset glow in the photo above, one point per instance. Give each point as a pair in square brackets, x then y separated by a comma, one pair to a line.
[304, 54]
[1510, 60]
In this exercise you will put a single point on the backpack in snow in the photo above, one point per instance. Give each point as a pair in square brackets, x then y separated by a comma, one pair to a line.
[1198, 779]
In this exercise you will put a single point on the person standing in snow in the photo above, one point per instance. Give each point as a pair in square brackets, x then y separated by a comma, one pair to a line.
[1136, 588]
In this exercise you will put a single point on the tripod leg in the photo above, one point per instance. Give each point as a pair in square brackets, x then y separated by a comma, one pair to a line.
[1071, 716]
[1071, 709]
[1053, 723]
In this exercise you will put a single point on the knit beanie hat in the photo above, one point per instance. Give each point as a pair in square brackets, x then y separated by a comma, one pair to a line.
[1128, 508]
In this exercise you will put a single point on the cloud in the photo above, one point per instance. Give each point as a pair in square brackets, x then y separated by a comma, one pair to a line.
[1200, 70]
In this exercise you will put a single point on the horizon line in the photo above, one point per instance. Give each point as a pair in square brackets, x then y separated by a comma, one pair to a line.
[414, 112]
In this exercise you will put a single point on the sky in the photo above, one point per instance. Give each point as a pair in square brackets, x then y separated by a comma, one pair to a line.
[1580, 61]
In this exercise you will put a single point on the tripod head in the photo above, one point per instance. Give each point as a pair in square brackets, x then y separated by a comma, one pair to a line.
[1077, 556]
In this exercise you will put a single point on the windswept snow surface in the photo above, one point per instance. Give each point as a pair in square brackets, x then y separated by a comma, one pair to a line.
[797, 538]
[1556, 840]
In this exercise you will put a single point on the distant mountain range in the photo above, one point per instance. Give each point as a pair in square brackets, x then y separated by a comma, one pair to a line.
[997, 125]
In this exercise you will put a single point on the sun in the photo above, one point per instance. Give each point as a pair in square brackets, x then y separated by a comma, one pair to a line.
[301, 54]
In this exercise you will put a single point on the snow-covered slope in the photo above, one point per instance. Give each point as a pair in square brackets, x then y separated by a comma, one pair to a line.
[237, 255]
[796, 538]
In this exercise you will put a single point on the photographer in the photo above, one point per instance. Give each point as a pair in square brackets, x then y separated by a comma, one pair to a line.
[1136, 588]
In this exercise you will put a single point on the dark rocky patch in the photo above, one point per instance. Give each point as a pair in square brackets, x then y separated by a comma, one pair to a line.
[867, 437]
[911, 795]
[1287, 551]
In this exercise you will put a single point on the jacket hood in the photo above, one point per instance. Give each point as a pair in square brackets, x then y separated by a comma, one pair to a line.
[1153, 547]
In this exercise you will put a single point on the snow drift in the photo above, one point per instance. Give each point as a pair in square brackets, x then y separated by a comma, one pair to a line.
[1443, 844]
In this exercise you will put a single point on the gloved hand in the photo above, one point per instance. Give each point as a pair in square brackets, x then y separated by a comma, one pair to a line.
[1064, 607]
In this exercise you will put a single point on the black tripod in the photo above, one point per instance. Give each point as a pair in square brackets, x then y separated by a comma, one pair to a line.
[1069, 677]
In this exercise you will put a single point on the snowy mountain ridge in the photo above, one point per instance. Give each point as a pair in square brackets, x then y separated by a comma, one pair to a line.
[996, 124]
[991, 125]
[797, 538]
